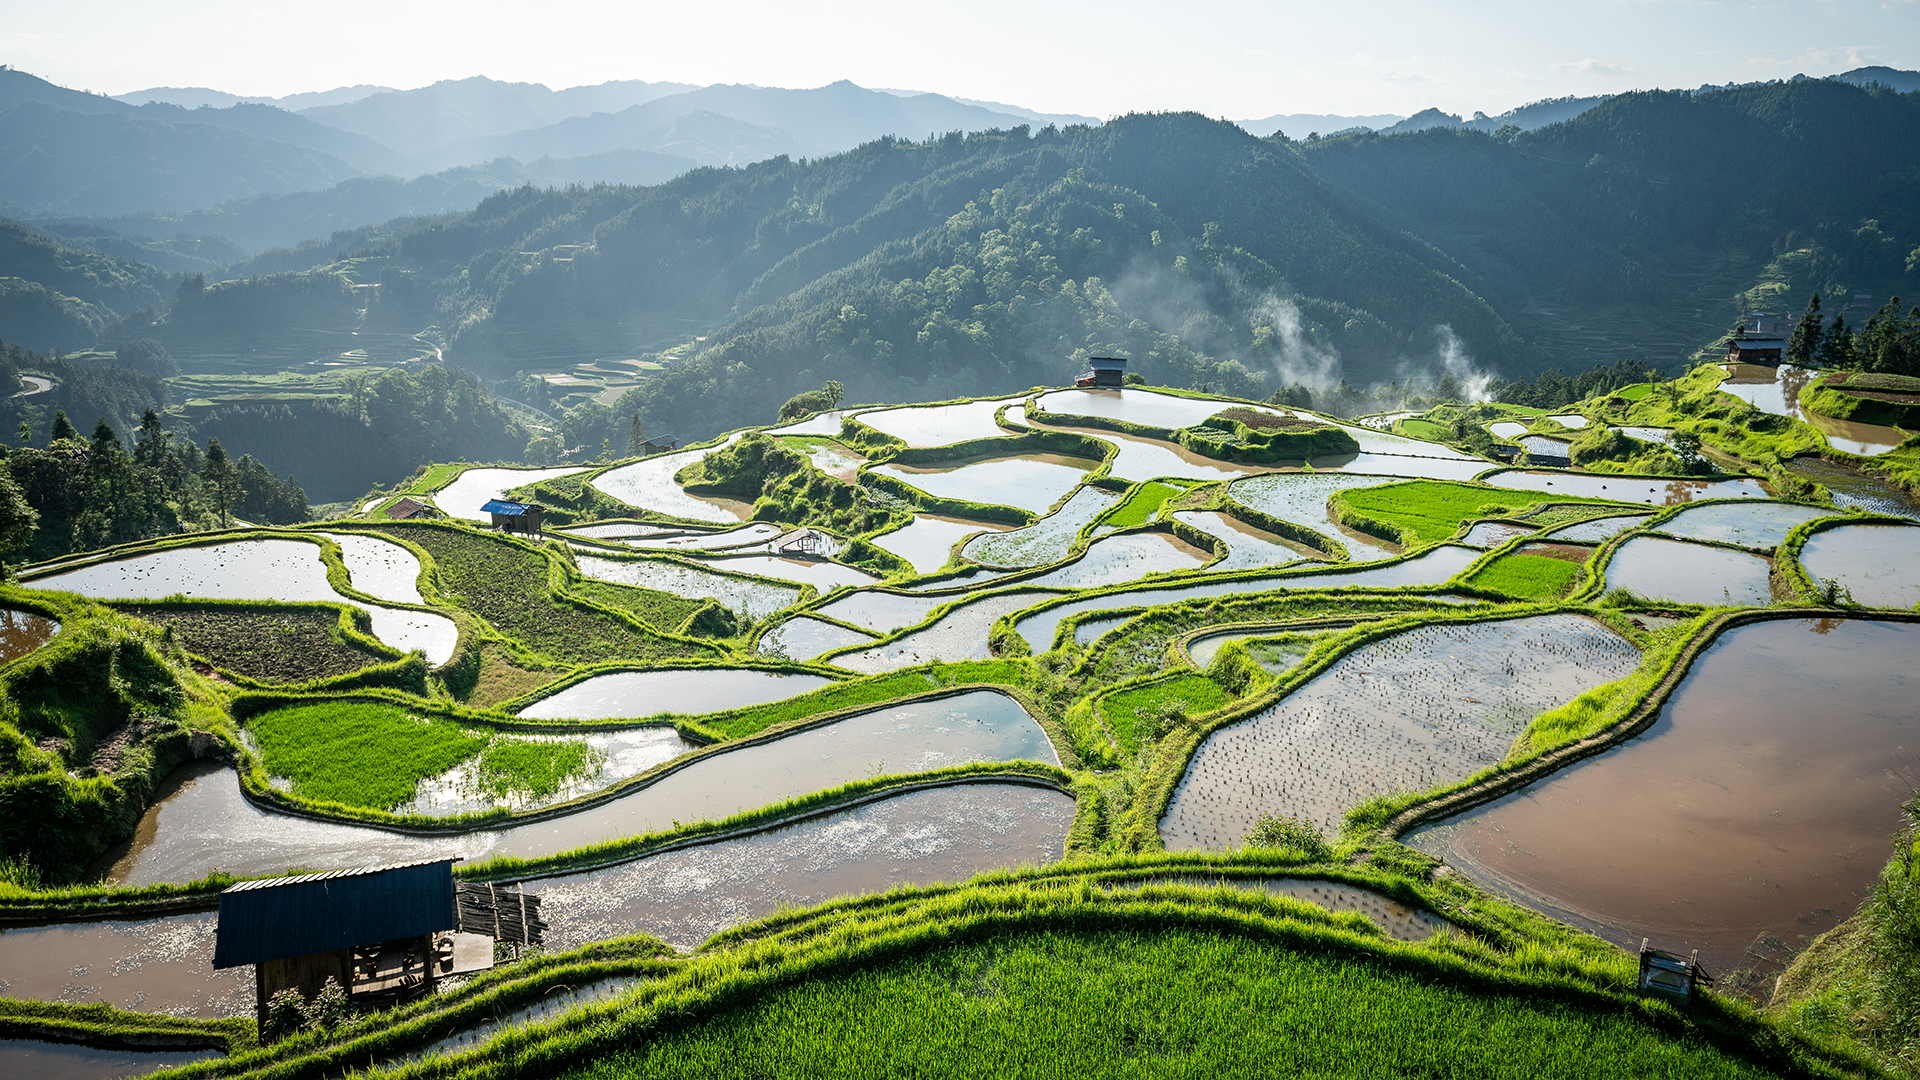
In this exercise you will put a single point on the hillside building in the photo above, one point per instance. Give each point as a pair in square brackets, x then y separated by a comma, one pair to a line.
[1104, 371]
[515, 517]
[1756, 350]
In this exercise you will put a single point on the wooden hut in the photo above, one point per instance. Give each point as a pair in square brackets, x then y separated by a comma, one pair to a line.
[1768, 350]
[405, 508]
[381, 932]
[1104, 371]
[514, 517]
[659, 444]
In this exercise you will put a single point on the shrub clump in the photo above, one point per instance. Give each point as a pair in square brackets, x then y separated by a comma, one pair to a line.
[1284, 832]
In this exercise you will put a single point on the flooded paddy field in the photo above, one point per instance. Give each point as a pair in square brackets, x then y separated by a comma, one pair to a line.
[1115, 560]
[1777, 391]
[1088, 631]
[1878, 564]
[684, 691]
[21, 632]
[1491, 534]
[1545, 446]
[1415, 466]
[1273, 655]
[649, 485]
[1853, 489]
[1143, 459]
[64, 1061]
[752, 535]
[918, 838]
[1599, 530]
[882, 612]
[1045, 541]
[1660, 491]
[472, 488]
[1422, 708]
[1753, 815]
[1248, 547]
[1761, 526]
[1570, 420]
[757, 598]
[1384, 444]
[1142, 406]
[1031, 482]
[960, 634]
[826, 423]
[162, 965]
[927, 542]
[1689, 573]
[939, 425]
[281, 570]
[1507, 429]
[1662, 436]
[1432, 568]
[206, 824]
[380, 568]
[803, 638]
[823, 574]
[1302, 499]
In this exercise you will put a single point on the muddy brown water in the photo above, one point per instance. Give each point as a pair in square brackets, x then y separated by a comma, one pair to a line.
[1878, 564]
[30, 1059]
[1689, 573]
[1777, 390]
[148, 965]
[206, 824]
[1753, 815]
[21, 632]
[1424, 707]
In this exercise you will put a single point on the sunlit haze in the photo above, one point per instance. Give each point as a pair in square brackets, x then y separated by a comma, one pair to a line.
[1222, 57]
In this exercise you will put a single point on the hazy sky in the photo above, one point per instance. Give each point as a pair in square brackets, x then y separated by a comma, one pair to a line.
[1222, 57]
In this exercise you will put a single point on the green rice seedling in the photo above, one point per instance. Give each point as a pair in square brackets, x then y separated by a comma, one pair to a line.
[1141, 506]
[739, 723]
[1146, 712]
[532, 769]
[272, 644]
[1182, 1001]
[1531, 577]
[660, 610]
[358, 753]
[1429, 511]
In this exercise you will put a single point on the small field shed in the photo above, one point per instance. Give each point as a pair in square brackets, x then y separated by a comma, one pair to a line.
[659, 444]
[1756, 350]
[1104, 371]
[381, 932]
[514, 517]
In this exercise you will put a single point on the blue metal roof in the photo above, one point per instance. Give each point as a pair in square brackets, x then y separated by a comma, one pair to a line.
[293, 916]
[505, 508]
[1107, 363]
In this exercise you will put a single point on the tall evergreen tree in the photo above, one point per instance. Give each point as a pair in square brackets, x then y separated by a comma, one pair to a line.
[218, 474]
[1804, 346]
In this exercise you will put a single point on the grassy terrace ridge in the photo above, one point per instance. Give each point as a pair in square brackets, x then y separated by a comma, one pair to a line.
[1415, 513]
[108, 1028]
[806, 991]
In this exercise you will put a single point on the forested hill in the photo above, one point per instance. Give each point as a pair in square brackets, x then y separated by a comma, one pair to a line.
[962, 265]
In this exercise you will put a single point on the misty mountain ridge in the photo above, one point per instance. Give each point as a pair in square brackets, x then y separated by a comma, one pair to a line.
[194, 97]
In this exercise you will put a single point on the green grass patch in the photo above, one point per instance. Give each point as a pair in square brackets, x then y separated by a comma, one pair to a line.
[1634, 392]
[877, 690]
[1530, 577]
[660, 610]
[1139, 507]
[1181, 1000]
[1149, 709]
[431, 479]
[359, 754]
[1429, 511]
[1426, 429]
[287, 644]
[506, 584]
[532, 769]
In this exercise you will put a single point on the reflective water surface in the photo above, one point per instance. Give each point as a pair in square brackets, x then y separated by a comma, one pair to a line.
[1031, 482]
[1689, 573]
[473, 487]
[1753, 815]
[1878, 564]
[686, 691]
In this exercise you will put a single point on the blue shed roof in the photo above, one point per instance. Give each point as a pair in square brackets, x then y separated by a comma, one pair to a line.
[1107, 363]
[505, 508]
[293, 916]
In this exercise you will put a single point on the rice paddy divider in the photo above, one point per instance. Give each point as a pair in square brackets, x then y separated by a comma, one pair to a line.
[1787, 555]
[107, 1028]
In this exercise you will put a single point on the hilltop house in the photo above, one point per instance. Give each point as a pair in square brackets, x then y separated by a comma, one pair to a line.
[515, 517]
[1104, 371]
[1767, 350]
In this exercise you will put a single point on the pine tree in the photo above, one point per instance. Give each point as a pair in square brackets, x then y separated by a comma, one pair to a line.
[1804, 347]
[62, 427]
[219, 477]
[636, 435]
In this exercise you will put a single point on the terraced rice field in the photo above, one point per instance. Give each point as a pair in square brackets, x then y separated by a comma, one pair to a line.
[1413, 711]
[1045, 541]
